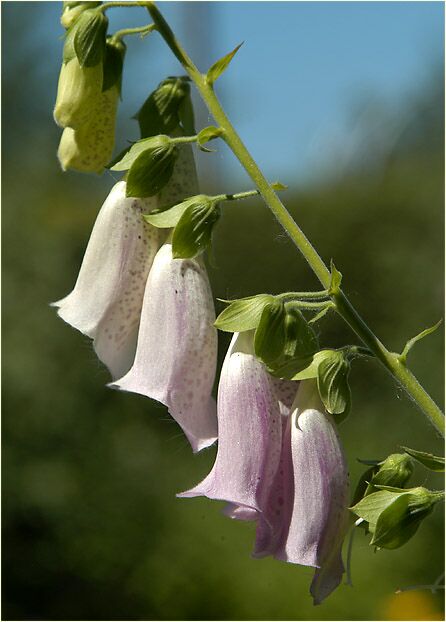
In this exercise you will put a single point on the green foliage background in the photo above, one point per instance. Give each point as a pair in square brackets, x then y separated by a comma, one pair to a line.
[92, 528]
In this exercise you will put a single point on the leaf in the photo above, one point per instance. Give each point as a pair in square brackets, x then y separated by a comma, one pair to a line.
[170, 217]
[431, 462]
[409, 345]
[113, 64]
[370, 507]
[389, 531]
[207, 134]
[193, 233]
[243, 314]
[150, 172]
[333, 384]
[146, 144]
[221, 65]
[270, 335]
[160, 112]
[277, 185]
[311, 370]
[90, 32]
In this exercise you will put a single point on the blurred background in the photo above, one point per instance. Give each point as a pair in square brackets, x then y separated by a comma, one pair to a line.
[344, 103]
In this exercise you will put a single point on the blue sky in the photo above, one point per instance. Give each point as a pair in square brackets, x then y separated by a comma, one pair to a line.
[303, 73]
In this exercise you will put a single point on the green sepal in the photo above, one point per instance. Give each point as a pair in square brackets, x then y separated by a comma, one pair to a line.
[221, 65]
[72, 10]
[395, 470]
[299, 346]
[207, 134]
[336, 279]
[113, 64]
[160, 113]
[332, 382]
[154, 143]
[311, 370]
[167, 218]
[431, 462]
[243, 314]
[151, 171]
[193, 233]
[89, 37]
[269, 338]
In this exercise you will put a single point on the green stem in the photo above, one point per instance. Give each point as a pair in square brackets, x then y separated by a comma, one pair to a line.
[237, 196]
[303, 295]
[343, 306]
[140, 30]
[183, 140]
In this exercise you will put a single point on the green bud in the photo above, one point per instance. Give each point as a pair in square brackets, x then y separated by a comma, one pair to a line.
[160, 113]
[332, 382]
[193, 233]
[243, 314]
[72, 10]
[270, 335]
[89, 148]
[151, 169]
[395, 470]
[78, 93]
[394, 515]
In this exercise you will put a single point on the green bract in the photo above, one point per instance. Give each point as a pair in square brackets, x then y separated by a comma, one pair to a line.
[431, 462]
[113, 63]
[221, 65]
[167, 218]
[89, 35]
[332, 382]
[167, 106]
[192, 234]
[151, 170]
[207, 134]
[270, 335]
[393, 515]
[243, 314]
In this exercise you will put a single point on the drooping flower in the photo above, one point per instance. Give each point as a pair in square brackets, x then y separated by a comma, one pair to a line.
[176, 353]
[281, 465]
[106, 301]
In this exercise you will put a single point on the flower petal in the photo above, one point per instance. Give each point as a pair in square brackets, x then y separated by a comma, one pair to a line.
[176, 354]
[106, 301]
[286, 393]
[249, 434]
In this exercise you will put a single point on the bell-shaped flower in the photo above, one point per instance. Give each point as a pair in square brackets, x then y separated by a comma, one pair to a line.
[89, 147]
[249, 433]
[306, 518]
[106, 301]
[176, 353]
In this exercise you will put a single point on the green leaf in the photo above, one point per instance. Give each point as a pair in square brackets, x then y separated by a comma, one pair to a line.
[336, 278]
[333, 385]
[147, 144]
[165, 219]
[311, 370]
[160, 113]
[150, 172]
[270, 335]
[370, 507]
[207, 134]
[89, 37]
[389, 531]
[409, 345]
[431, 462]
[113, 64]
[243, 314]
[193, 233]
[221, 65]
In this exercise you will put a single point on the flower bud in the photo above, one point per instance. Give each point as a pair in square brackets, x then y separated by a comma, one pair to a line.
[89, 148]
[78, 93]
[72, 10]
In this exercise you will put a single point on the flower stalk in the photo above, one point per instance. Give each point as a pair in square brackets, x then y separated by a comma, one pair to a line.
[390, 360]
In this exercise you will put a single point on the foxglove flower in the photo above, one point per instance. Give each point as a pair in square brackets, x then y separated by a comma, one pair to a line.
[249, 431]
[280, 462]
[106, 301]
[176, 354]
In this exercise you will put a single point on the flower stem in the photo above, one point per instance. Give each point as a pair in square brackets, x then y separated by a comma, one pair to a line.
[140, 30]
[345, 309]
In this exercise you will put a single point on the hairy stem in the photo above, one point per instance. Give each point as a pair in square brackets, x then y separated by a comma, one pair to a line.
[390, 360]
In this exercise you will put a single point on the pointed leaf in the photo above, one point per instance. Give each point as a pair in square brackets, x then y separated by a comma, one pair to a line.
[409, 345]
[221, 65]
[168, 218]
[130, 155]
[243, 314]
[431, 462]
[336, 278]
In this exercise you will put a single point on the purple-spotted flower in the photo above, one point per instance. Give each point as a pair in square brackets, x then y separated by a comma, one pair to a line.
[176, 354]
[106, 301]
[280, 462]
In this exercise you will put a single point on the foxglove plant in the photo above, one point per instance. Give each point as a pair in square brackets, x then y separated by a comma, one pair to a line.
[144, 297]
